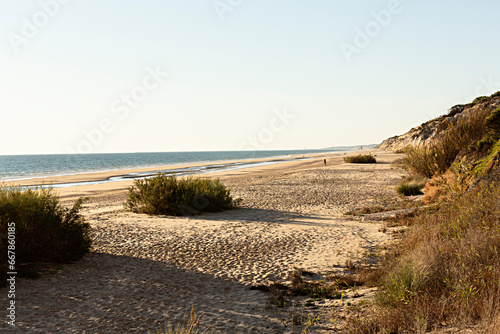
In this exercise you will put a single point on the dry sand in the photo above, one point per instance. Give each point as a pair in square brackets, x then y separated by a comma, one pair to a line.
[146, 270]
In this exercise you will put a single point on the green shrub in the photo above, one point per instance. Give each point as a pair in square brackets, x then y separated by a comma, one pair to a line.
[409, 189]
[484, 164]
[493, 121]
[480, 99]
[168, 195]
[492, 125]
[44, 231]
[495, 94]
[487, 142]
[361, 159]
[411, 185]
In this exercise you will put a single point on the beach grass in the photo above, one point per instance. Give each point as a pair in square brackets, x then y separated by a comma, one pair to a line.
[411, 185]
[169, 195]
[190, 325]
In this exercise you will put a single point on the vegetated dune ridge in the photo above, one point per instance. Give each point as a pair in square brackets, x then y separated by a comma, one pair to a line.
[145, 270]
[425, 132]
[459, 155]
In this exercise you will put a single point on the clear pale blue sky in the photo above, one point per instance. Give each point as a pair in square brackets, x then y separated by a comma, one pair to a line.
[61, 84]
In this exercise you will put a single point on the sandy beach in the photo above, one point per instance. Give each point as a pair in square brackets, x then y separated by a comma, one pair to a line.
[145, 270]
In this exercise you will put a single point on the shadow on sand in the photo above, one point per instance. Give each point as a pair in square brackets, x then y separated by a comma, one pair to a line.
[105, 293]
[245, 215]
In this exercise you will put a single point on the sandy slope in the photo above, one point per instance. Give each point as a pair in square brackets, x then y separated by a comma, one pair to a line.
[146, 270]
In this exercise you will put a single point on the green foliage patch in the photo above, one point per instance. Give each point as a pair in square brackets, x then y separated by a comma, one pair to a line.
[361, 159]
[168, 195]
[411, 185]
[44, 232]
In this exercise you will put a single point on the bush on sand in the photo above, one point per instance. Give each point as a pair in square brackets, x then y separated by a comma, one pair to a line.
[361, 159]
[44, 232]
[411, 185]
[169, 195]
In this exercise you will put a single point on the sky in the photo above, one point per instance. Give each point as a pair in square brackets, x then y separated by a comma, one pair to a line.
[99, 76]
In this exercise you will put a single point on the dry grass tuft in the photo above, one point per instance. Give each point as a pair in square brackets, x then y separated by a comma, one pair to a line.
[328, 288]
[433, 191]
[190, 325]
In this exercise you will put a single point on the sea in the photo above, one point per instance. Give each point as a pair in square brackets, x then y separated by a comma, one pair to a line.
[19, 167]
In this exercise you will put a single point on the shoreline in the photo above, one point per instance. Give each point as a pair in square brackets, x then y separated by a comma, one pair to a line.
[280, 154]
[181, 169]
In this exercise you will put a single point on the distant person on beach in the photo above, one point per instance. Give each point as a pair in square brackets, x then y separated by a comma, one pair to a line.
[324, 161]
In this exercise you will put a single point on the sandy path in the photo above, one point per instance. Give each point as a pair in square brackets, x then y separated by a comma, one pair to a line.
[146, 270]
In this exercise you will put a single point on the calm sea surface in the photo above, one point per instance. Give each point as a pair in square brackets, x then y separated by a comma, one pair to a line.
[15, 167]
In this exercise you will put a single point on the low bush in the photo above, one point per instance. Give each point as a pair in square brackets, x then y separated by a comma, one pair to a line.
[361, 159]
[489, 161]
[411, 185]
[409, 189]
[168, 195]
[492, 125]
[493, 121]
[480, 99]
[43, 231]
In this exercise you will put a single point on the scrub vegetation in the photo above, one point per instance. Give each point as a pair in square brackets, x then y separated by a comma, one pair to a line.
[39, 231]
[169, 195]
[445, 269]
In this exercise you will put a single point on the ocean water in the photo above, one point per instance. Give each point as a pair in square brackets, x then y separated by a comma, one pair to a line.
[17, 167]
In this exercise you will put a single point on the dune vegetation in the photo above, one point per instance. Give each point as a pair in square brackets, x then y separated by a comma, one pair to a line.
[445, 269]
[361, 159]
[39, 231]
[169, 195]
